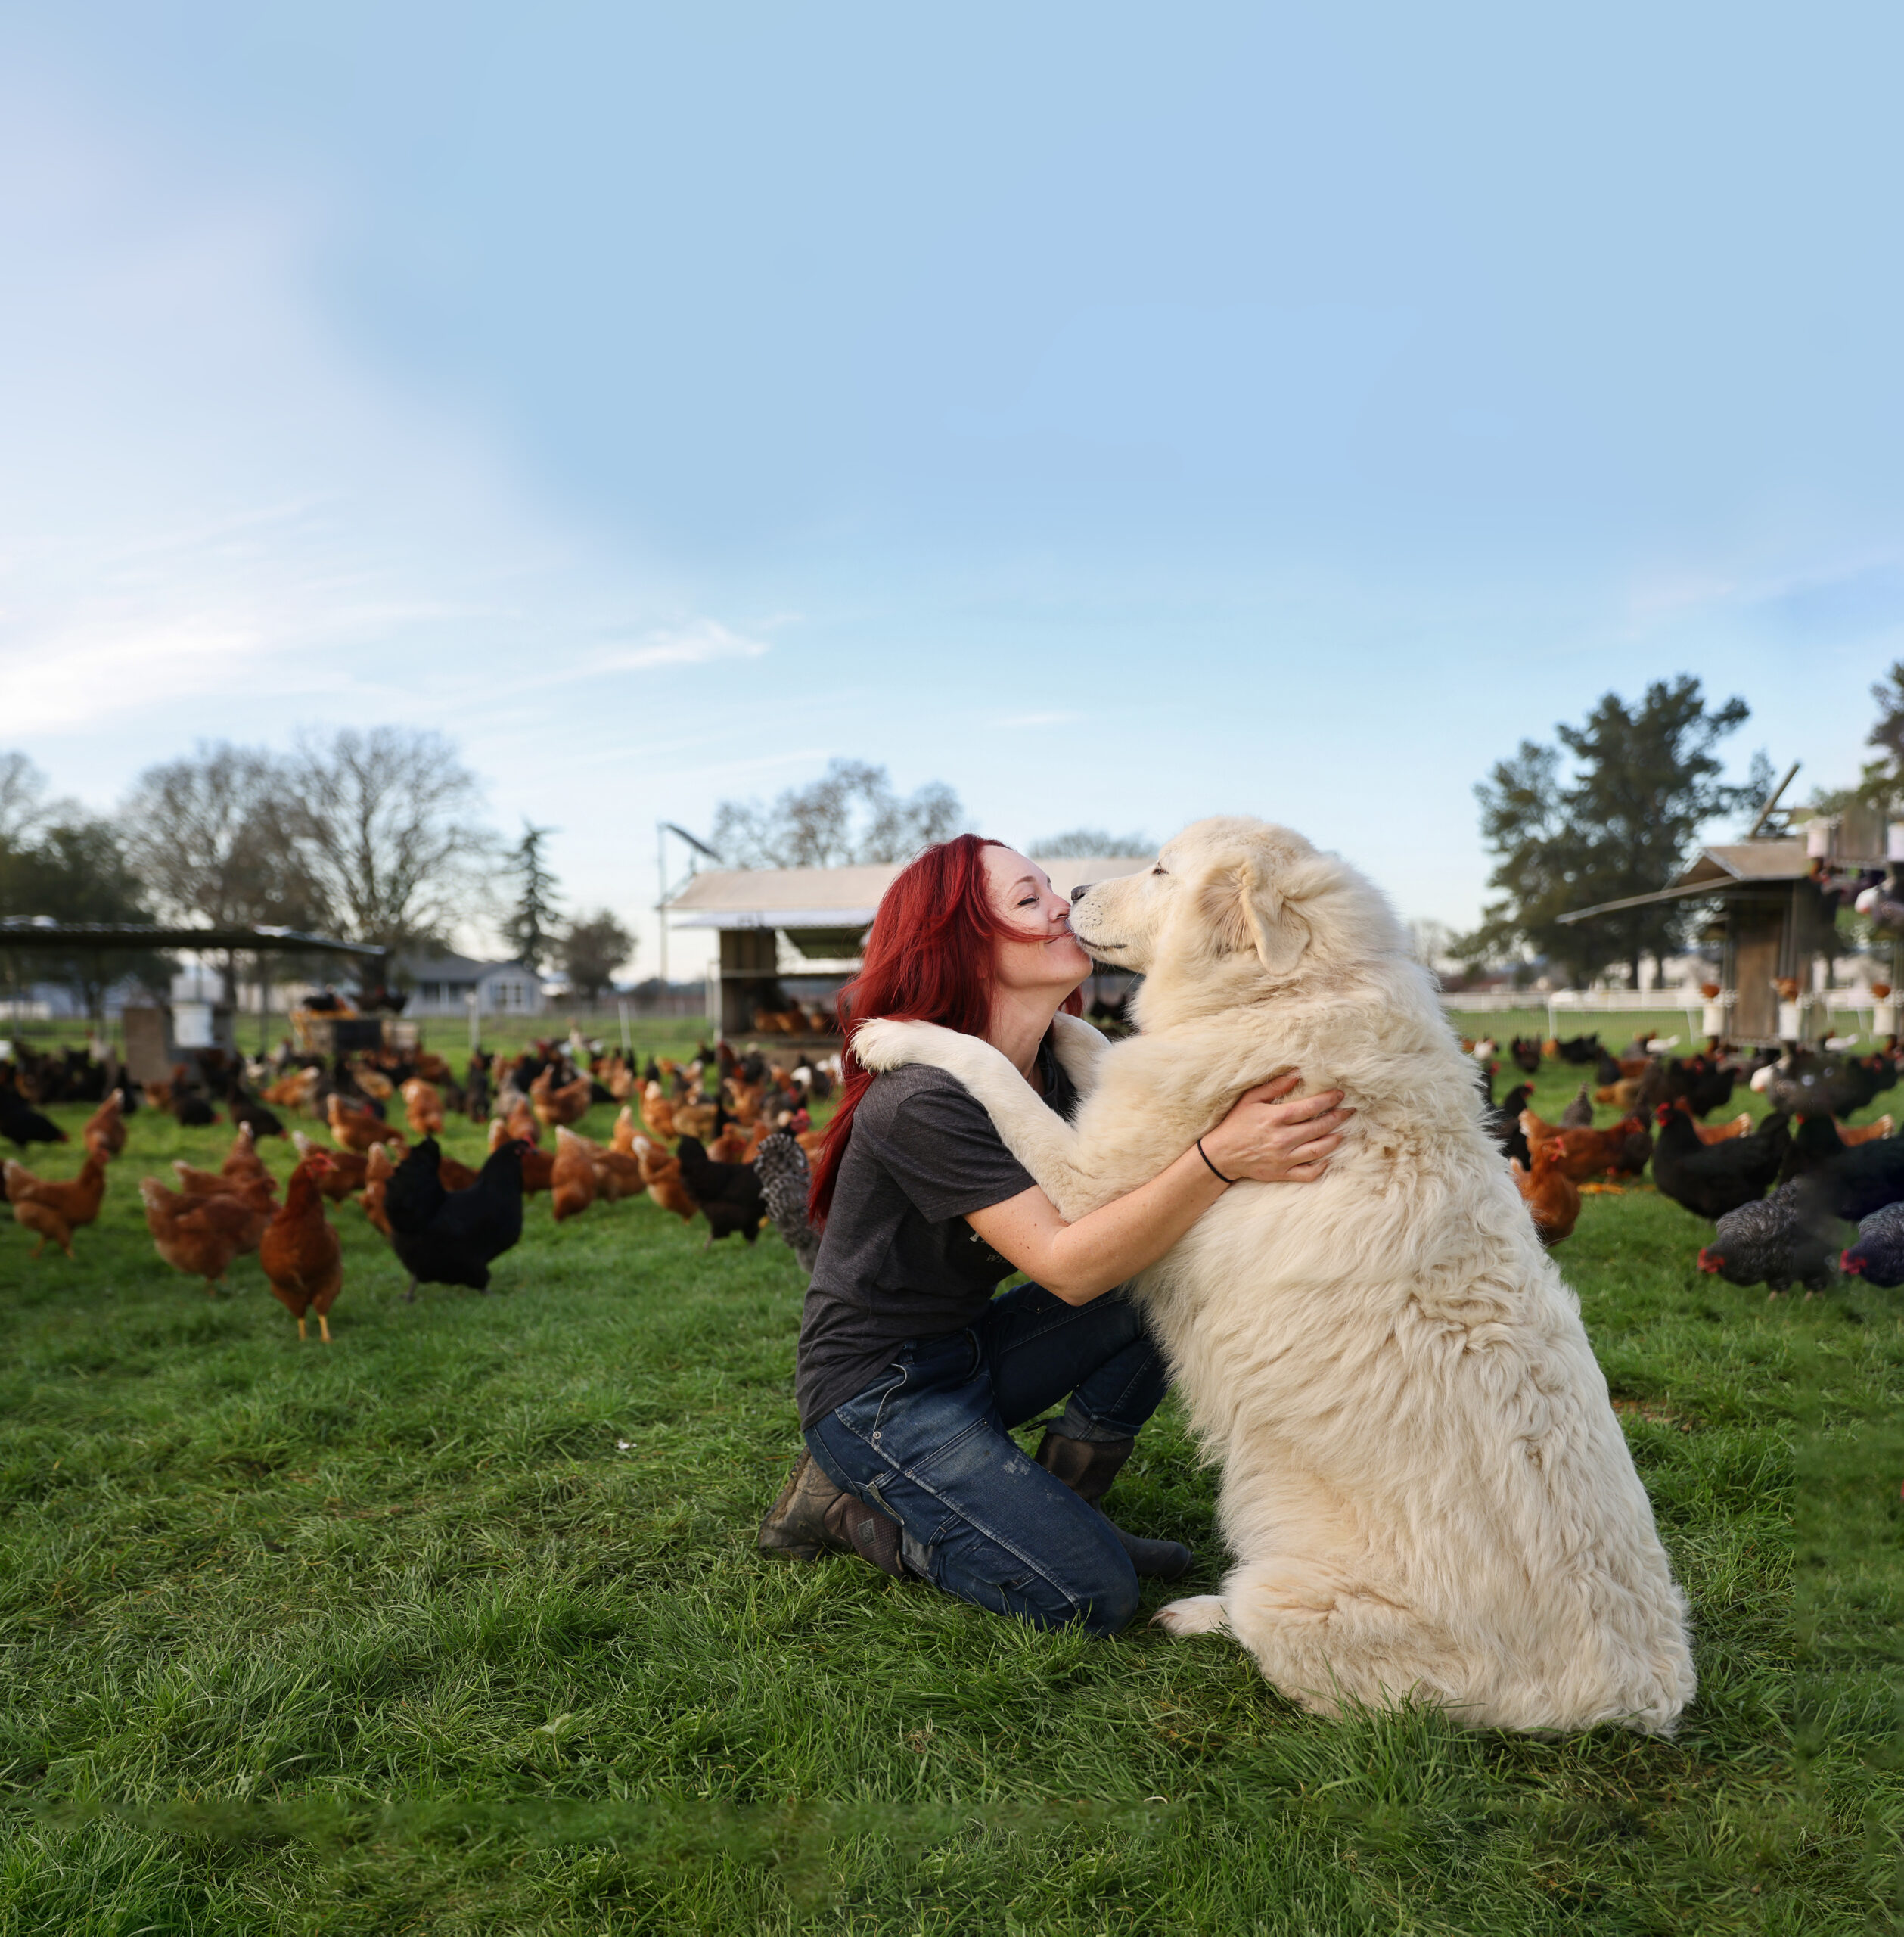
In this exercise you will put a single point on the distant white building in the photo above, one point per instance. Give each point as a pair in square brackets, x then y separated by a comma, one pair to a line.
[442, 984]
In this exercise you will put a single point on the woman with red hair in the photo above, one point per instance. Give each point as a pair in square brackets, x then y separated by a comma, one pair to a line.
[912, 1372]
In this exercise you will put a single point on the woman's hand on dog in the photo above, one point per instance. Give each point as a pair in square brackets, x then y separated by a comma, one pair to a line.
[1271, 1141]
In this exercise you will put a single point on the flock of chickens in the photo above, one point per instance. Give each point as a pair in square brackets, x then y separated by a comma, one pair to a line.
[1775, 1191]
[727, 1138]
[740, 1129]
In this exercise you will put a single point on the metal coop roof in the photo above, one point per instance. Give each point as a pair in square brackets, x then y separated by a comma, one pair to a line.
[838, 898]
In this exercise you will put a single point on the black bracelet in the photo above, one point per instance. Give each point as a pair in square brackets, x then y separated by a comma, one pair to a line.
[1213, 1170]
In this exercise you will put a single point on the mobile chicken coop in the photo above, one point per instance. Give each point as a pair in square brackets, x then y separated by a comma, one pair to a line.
[1775, 902]
[791, 937]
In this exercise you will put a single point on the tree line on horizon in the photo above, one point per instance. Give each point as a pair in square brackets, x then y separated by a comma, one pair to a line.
[377, 836]
[380, 835]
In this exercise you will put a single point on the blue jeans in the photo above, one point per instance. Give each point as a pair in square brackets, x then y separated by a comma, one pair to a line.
[926, 1443]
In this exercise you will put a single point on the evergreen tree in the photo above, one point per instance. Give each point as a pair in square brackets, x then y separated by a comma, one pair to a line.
[530, 930]
[1644, 781]
[593, 948]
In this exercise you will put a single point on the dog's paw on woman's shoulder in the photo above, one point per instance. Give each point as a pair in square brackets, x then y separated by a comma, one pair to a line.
[883, 1043]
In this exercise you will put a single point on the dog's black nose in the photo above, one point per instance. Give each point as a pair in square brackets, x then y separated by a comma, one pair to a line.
[1079, 894]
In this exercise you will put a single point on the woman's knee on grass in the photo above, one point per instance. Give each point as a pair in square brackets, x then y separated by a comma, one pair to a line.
[1087, 1581]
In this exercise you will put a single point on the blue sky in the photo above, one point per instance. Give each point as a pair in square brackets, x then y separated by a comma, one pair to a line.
[1122, 415]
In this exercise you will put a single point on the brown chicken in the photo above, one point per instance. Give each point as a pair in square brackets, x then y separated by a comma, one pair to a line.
[661, 1174]
[697, 1120]
[520, 1121]
[623, 1138]
[104, 1134]
[378, 1169]
[300, 1253]
[1582, 1154]
[618, 1174]
[423, 1105]
[744, 1098]
[242, 1160]
[357, 1129]
[1723, 1133]
[56, 1209]
[215, 1183]
[1551, 1196]
[573, 1180]
[569, 1104]
[657, 1114]
[1622, 1095]
[373, 1082]
[347, 1170]
[293, 1092]
[257, 1196]
[198, 1235]
[538, 1166]
[1866, 1133]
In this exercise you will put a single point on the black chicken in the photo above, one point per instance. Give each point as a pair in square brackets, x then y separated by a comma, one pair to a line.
[1579, 1048]
[21, 1124]
[192, 1110]
[245, 1109]
[1706, 1086]
[450, 1237]
[1854, 1182]
[1504, 1118]
[1711, 1179]
[730, 1194]
[1878, 1256]
[1782, 1240]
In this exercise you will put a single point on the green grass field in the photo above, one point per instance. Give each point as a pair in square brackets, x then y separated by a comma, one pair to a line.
[457, 1626]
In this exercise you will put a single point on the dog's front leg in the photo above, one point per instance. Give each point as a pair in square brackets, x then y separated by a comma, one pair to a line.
[1036, 1135]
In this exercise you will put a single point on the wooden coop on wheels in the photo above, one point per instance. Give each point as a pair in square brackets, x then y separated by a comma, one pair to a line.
[789, 936]
[1775, 905]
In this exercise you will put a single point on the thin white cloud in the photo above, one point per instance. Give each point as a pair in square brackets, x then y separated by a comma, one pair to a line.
[1015, 720]
[695, 643]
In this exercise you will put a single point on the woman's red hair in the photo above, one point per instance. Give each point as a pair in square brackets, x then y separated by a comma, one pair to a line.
[929, 959]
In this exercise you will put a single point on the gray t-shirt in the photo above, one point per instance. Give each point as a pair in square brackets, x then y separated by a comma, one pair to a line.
[897, 1259]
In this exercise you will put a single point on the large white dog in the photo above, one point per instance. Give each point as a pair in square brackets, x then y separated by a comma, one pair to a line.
[1423, 1485]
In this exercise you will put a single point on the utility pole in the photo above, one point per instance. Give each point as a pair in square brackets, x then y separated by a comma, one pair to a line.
[663, 828]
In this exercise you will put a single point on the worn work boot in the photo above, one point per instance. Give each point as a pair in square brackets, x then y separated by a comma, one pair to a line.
[812, 1517]
[852, 1527]
[796, 1523]
[1088, 1466]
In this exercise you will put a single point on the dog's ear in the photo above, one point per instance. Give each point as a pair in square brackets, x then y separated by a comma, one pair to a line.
[1244, 910]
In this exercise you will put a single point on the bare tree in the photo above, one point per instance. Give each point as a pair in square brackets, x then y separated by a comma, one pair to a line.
[387, 823]
[25, 810]
[1087, 843]
[850, 813]
[207, 837]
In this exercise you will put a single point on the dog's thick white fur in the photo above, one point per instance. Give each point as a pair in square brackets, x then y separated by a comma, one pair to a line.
[1425, 1489]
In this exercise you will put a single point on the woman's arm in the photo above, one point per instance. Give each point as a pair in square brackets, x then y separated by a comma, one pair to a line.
[1262, 1138]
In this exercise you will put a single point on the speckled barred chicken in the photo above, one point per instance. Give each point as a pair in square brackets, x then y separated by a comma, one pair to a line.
[785, 1179]
[1778, 1241]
